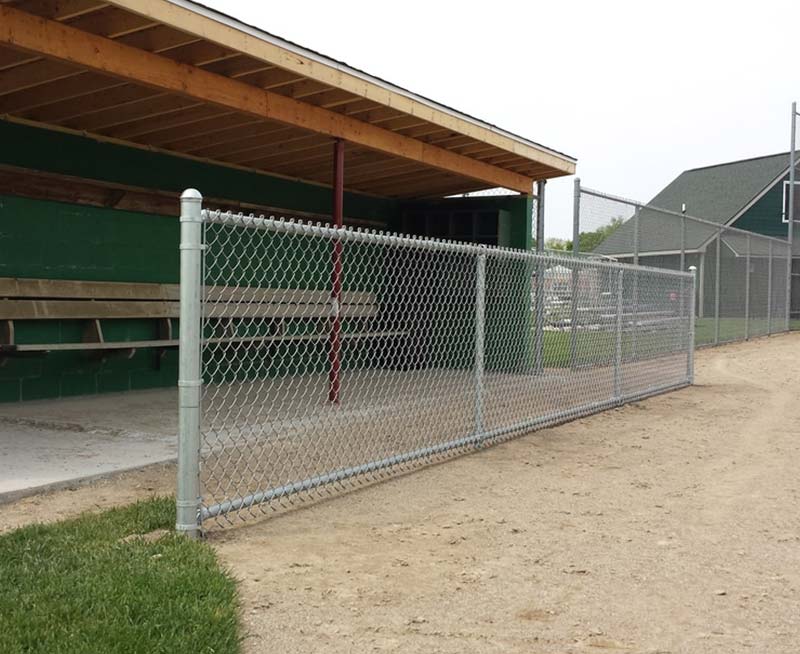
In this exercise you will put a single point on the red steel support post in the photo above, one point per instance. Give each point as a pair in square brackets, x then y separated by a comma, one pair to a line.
[334, 353]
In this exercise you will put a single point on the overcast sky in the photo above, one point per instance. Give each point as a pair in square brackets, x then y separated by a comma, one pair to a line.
[637, 91]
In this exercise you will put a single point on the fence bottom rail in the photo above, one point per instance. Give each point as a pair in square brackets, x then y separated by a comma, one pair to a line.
[474, 440]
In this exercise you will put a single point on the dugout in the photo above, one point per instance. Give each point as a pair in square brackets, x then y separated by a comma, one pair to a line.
[109, 110]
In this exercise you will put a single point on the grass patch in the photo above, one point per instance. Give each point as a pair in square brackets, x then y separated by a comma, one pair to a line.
[599, 347]
[733, 329]
[596, 346]
[77, 587]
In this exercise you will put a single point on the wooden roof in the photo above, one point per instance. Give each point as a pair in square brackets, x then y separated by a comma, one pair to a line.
[175, 76]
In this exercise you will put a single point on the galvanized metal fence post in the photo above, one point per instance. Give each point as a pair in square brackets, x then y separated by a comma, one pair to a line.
[747, 293]
[635, 294]
[769, 291]
[618, 346]
[701, 286]
[480, 332]
[540, 216]
[540, 269]
[683, 254]
[189, 374]
[576, 248]
[691, 339]
[683, 239]
[716, 286]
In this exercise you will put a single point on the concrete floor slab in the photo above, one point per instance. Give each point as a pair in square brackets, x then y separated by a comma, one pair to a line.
[56, 443]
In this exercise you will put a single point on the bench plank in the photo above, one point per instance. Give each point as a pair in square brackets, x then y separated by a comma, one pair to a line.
[116, 309]
[13, 287]
[24, 288]
[48, 299]
[174, 342]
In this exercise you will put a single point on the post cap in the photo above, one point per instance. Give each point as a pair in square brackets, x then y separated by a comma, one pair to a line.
[692, 268]
[192, 194]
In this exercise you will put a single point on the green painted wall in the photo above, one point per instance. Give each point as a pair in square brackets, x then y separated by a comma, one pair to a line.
[67, 154]
[765, 216]
[509, 330]
[515, 228]
[56, 240]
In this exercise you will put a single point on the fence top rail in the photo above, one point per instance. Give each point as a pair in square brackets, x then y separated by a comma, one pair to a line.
[359, 235]
[716, 226]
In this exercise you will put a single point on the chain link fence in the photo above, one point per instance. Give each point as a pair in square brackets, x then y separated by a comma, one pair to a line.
[313, 358]
[742, 278]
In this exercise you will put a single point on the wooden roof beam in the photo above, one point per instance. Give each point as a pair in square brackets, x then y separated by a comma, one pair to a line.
[259, 45]
[29, 32]
[227, 137]
[44, 72]
[95, 112]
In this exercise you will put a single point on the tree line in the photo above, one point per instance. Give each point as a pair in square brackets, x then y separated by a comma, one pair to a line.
[588, 240]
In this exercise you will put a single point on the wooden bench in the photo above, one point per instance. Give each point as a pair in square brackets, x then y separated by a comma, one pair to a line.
[92, 302]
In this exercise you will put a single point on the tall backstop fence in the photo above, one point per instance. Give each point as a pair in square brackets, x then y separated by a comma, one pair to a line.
[313, 357]
[742, 278]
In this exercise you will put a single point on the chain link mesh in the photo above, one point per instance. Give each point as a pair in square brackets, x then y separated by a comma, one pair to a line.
[742, 276]
[334, 356]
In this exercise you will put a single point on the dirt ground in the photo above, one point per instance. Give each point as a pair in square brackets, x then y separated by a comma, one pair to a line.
[667, 526]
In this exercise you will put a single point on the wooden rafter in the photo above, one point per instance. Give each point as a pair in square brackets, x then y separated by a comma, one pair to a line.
[265, 152]
[11, 58]
[62, 42]
[231, 139]
[39, 71]
[168, 128]
[111, 23]
[62, 9]
[82, 111]
[161, 39]
[203, 94]
[45, 94]
[425, 188]
[220, 134]
[227, 32]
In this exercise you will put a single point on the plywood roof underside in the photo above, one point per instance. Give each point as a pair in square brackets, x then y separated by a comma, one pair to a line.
[41, 83]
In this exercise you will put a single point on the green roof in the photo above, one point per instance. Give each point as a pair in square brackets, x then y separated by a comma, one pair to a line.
[714, 193]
